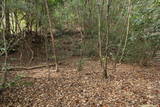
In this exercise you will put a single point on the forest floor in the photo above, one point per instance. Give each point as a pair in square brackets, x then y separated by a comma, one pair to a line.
[129, 86]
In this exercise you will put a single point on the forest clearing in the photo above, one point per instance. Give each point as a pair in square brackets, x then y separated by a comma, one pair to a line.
[80, 53]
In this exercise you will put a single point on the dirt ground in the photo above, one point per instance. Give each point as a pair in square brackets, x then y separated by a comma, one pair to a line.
[129, 86]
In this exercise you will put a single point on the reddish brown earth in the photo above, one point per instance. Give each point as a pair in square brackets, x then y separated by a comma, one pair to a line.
[129, 86]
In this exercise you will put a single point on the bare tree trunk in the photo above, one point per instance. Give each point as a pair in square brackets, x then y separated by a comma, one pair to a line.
[105, 66]
[16, 22]
[7, 21]
[126, 39]
[4, 68]
[127, 32]
[51, 33]
[12, 23]
[81, 22]
[47, 55]
[0, 9]
[99, 37]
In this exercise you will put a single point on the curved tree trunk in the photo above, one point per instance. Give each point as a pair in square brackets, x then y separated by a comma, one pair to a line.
[52, 37]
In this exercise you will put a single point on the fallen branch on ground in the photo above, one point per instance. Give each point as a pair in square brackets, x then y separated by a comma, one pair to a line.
[19, 68]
